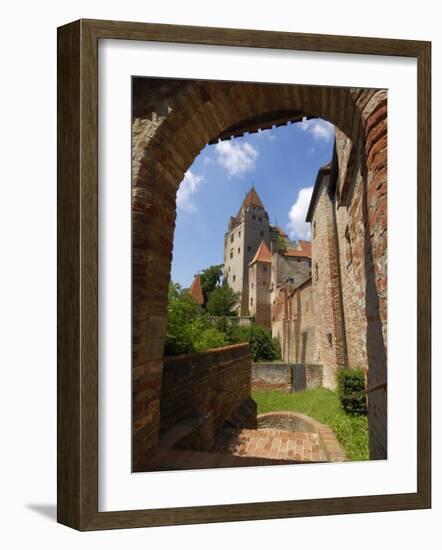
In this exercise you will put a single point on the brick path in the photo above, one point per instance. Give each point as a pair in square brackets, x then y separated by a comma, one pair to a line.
[271, 444]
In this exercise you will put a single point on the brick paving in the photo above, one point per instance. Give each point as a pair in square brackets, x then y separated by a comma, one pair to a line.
[271, 444]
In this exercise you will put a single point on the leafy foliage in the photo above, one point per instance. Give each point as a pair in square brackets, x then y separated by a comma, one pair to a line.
[210, 338]
[187, 327]
[221, 302]
[183, 317]
[210, 279]
[351, 384]
[262, 345]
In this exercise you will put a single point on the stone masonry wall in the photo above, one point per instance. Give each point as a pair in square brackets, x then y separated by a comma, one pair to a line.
[205, 388]
[268, 376]
[259, 294]
[326, 286]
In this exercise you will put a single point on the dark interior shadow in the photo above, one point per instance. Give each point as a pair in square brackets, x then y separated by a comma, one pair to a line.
[48, 511]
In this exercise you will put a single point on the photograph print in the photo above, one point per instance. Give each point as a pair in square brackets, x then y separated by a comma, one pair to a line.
[259, 274]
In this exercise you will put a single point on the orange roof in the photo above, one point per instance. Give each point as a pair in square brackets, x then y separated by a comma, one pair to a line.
[280, 231]
[262, 254]
[251, 199]
[304, 252]
[196, 291]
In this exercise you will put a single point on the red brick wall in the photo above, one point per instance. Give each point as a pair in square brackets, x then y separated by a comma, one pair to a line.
[205, 387]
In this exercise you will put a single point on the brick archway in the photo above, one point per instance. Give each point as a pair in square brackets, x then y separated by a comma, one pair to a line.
[172, 122]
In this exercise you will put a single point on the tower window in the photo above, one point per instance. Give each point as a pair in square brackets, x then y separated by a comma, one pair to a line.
[231, 238]
[316, 272]
[251, 301]
[239, 234]
[234, 278]
[231, 252]
[239, 250]
[314, 229]
[330, 339]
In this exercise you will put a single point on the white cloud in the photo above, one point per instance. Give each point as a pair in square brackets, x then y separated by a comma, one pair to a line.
[319, 129]
[188, 187]
[236, 157]
[297, 226]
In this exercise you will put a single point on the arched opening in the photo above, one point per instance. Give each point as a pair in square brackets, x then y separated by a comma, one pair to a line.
[172, 122]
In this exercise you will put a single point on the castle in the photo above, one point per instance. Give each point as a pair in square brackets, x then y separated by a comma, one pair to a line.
[313, 296]
[258, 257]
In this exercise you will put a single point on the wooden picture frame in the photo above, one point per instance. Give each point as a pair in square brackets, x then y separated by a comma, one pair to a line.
[77, 461]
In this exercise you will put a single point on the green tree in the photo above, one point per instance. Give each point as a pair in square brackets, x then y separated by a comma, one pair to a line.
[187, 327]
[222, 301]
[262, 346]
[210, 279]
[183, 317]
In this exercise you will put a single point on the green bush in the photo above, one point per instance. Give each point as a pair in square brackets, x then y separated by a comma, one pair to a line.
[262, 345]
[209, 338]
[351, 385]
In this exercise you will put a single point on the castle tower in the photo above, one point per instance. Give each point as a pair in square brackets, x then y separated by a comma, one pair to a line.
[244, 234]
[259, 282]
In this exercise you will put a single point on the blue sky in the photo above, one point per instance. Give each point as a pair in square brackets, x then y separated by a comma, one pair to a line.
[282, 163]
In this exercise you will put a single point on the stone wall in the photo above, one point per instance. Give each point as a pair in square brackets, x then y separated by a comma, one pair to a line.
[286, 377]
[294, 323]
[203, 390]
[259, 301]
[325, 280]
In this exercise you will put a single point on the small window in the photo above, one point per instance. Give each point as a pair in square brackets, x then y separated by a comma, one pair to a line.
[231, 252]
[265, 268]
[253, 286]
[260, 219]
[330, 339]
[316, 272]
[251, 301]
[239, 234]
[234, 278]
[229, 268]
[249, 248]
[262, 233]
[314, 229]
[253, 217]
[239, 250]
[231, 238]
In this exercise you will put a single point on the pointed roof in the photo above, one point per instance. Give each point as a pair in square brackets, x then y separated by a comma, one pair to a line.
[262, 254]
[196, 290]
[251, 199]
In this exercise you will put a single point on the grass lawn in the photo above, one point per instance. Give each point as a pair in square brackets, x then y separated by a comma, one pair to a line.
[324, 406]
